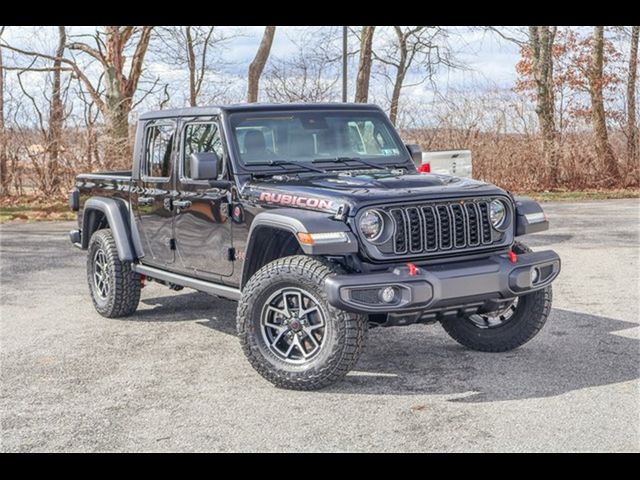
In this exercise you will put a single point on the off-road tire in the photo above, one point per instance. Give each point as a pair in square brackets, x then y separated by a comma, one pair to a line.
[530, 316]
[343, 345]
[124, 284]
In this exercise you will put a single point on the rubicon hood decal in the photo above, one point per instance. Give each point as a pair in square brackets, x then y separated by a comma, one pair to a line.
[297, 201]
[284, 197]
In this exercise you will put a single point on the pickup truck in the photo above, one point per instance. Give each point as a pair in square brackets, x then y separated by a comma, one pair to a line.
[447, 162]
[314, 218]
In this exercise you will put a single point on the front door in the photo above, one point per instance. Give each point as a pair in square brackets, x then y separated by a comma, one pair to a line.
[152, 197]
[202, 223]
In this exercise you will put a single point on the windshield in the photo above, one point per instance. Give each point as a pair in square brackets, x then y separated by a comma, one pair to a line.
[314, 136]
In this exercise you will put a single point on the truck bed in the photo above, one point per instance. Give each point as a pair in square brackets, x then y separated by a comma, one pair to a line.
[112, 184]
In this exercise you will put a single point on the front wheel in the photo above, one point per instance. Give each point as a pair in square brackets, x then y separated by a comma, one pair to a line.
[289, 332]
[507, 329]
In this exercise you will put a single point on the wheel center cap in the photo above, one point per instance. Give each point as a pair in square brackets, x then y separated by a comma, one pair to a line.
[295, 325]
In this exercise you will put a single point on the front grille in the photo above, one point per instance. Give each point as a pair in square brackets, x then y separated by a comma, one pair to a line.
[442, 227]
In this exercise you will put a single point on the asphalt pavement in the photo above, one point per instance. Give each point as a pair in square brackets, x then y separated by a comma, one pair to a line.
[173, 376]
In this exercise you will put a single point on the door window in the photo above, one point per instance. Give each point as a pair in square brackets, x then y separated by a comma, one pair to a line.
[159, 146]
[201, 137]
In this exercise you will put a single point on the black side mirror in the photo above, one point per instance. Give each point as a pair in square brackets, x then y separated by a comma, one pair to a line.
[204, 165]
[416, 153]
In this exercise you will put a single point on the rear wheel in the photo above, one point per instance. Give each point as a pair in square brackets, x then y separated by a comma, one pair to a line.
[115, 287]
[506, 329]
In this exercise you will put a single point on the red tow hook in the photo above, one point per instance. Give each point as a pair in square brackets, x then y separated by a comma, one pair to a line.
[513, 258]
[413, 270]
[142, 279]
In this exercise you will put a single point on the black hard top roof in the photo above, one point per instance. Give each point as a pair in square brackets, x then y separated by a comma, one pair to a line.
[253, 107]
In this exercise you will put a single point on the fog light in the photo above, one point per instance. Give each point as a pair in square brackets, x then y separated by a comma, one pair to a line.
[388, 294]
[535, 275]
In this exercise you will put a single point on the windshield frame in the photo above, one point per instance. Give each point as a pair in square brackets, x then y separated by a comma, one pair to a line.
[402, 160]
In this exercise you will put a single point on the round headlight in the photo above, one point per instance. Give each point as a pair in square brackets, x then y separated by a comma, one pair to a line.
[371, 225]
[498, 213]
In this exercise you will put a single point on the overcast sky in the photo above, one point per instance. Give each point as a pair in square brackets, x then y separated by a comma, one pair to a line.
[488, 61]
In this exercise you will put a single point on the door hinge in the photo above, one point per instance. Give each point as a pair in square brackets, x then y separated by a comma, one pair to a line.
[231, 254]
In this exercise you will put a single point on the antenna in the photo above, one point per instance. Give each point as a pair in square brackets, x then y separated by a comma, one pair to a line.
[344, 64]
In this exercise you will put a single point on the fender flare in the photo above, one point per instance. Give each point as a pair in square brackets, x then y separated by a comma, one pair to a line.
[301, 221]
[530, 216]
[117, 214]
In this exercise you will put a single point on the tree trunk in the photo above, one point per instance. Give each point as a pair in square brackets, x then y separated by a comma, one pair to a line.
[541, 43]
[632, 128]
[4, 177]
[116, 118]
[56, 117]
[364, 65]
[258, 63]
[120, 90]
[191, 61]
[399, 80]
[395, 97]
[603, 147]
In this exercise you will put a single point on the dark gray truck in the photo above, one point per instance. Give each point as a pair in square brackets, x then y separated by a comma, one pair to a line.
[315, 220]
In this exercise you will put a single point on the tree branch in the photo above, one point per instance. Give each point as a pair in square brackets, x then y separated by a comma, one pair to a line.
[138, 58]
[74, 66]
[83, 47]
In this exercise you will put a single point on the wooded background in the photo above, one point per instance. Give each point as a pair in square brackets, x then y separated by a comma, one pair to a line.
[68, 102]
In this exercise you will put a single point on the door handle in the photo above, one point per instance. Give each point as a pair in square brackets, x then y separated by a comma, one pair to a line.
[145, 200]
[181, 203]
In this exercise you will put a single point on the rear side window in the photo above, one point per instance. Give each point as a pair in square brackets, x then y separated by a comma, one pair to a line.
[200, 137]
[159, 146]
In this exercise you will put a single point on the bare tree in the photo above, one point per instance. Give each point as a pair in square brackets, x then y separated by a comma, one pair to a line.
[258, 63]
[90, 152]
[536, 43]
[111, 47]
[196, 49]
[598, 118]
[3, 142]
[541, 40]
[308, 75]
[421, 45]
[632, 80]
[40, 131]
[56, 112]
[364, 64]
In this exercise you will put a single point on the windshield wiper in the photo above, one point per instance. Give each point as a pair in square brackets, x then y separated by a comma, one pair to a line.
[280, 163]
[345, 160]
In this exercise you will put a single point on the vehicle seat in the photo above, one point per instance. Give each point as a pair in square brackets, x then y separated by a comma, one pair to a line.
[303, 146]
[254, 143]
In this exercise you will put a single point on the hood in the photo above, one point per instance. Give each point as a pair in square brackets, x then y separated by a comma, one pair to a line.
[328, 192]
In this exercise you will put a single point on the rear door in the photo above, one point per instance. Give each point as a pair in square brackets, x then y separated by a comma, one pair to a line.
[202, 223]
[152, 197]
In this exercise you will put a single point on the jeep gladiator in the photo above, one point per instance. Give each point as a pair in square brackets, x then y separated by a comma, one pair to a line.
[314, 218]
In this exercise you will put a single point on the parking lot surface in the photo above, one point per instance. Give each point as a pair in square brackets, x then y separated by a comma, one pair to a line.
[173, 376]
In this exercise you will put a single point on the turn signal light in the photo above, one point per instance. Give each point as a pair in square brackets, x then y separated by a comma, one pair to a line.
[325, 237]
[305, 238]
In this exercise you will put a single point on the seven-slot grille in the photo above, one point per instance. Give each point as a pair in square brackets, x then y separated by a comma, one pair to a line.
[441, 227]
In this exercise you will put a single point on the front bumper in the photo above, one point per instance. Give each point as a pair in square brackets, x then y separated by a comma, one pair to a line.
[477, 283]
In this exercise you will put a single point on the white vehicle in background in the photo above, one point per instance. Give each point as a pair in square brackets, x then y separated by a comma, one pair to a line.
[447, 162]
